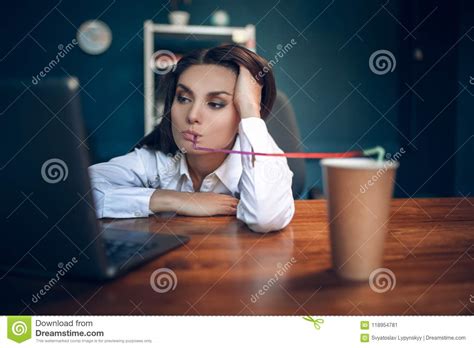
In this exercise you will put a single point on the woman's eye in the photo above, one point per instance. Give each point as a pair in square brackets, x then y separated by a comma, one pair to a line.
[216, 105]
[181, 99]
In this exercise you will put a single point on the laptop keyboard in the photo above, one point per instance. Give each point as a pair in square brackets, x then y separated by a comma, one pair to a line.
[120, 251]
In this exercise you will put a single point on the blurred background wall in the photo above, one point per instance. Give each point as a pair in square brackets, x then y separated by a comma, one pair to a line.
[425, 105]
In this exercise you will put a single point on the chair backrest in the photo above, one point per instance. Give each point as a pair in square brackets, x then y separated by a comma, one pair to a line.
[282, 125]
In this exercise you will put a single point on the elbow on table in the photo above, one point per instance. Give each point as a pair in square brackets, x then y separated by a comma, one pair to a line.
[98, 198]
[264, 222]
[98, 190]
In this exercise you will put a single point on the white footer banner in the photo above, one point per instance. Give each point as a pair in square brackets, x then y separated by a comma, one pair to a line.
[237, 331]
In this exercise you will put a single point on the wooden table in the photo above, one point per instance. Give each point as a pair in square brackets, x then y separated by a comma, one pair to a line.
[429, 249]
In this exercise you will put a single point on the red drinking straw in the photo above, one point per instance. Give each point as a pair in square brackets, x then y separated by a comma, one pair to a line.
[377, 150]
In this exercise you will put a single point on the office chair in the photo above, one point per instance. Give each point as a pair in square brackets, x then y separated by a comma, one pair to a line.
[282, 125]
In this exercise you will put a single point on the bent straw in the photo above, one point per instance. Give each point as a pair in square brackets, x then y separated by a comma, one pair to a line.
[376, 150]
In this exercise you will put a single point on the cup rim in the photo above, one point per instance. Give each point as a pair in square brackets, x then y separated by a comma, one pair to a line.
[359, 163]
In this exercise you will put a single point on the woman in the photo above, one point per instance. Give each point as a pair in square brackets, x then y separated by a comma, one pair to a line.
[211, 98]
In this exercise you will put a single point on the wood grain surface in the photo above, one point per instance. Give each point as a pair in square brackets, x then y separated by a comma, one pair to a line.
[227, 269]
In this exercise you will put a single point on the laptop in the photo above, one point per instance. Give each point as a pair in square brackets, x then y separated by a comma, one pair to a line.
[47, 214]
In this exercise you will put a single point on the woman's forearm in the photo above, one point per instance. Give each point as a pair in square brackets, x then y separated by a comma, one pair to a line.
[166, 200]
[193, 203]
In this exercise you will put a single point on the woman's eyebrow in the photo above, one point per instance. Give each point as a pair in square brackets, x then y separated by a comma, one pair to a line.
[186, 89]
[214, 93]
[218, 92]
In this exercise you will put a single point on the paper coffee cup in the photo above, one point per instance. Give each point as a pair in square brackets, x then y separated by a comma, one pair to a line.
[358, 192]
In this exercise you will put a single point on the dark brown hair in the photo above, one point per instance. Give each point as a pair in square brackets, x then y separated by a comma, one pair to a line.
[229, 56]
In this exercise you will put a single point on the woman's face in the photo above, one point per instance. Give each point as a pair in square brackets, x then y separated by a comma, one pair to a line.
[203, 106]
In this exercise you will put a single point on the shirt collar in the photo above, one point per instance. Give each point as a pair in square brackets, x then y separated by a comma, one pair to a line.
[229, 172]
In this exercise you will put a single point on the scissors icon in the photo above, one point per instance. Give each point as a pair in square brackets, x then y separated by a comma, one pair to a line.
[316, 322]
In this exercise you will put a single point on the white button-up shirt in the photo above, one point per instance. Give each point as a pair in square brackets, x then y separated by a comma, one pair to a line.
[122, 187]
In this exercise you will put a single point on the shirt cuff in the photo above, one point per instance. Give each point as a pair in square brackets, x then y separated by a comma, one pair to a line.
[128, 203]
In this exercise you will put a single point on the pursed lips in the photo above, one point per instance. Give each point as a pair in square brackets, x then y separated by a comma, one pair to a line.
[190, 136]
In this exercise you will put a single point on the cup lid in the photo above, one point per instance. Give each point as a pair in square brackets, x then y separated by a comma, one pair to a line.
[359, 163]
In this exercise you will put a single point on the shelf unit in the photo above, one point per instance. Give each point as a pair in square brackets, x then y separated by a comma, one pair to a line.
[188, 33]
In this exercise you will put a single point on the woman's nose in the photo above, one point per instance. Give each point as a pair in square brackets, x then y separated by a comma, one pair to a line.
[194, 114]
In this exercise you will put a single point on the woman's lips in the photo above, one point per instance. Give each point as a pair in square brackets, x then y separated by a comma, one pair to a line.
[189, 136]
